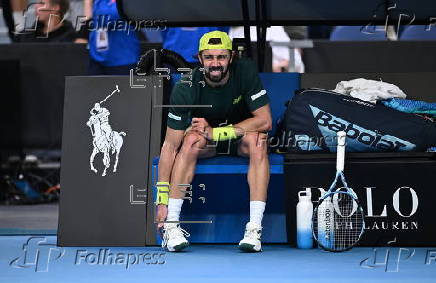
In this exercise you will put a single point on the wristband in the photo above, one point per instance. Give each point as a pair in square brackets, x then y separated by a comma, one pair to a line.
[223, 133]
[163, 192]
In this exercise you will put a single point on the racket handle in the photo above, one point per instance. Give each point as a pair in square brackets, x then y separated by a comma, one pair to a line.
[340, 159]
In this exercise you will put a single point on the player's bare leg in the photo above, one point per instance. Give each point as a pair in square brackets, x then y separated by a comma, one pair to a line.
[194, 146]
[254, 145]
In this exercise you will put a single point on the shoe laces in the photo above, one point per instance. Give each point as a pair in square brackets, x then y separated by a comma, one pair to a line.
[253, 232]
[173, 231]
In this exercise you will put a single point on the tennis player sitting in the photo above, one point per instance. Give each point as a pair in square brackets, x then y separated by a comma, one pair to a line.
[236, 122]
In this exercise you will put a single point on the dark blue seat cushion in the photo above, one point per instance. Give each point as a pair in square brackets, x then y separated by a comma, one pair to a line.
[274, 159]
[232, 165]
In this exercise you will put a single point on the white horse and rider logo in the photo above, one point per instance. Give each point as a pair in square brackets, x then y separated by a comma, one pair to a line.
[104, 139]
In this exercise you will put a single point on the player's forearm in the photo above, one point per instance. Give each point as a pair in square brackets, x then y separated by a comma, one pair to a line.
[254, 124]
[166, 162]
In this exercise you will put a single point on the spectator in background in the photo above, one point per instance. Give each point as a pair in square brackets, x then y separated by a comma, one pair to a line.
[280, 54]
[297, 33]
[113, 50]
[184, 40]
[51, 25]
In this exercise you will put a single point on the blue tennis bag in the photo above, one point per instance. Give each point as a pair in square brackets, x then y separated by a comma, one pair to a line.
[314, 116]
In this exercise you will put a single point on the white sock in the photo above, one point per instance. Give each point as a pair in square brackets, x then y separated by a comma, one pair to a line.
[256, 211]
[174, 208]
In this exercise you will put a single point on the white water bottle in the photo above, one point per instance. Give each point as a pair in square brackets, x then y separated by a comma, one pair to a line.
[304, 220]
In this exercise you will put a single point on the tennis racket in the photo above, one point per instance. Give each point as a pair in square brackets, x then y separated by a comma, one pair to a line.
[338, 220]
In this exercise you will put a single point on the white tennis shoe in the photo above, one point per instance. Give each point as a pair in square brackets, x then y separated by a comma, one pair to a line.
[251, 241]
[174, 237]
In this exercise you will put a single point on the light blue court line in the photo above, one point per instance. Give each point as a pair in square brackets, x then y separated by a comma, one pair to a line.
[208, 263]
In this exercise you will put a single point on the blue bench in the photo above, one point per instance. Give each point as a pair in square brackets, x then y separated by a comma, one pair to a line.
[225, 194]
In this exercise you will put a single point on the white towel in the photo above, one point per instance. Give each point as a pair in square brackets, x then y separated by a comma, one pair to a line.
[369, 90]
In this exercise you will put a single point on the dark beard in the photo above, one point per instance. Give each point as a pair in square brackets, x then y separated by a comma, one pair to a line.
[216, 79]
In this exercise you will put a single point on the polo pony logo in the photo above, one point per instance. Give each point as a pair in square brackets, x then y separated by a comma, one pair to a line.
[104, 139]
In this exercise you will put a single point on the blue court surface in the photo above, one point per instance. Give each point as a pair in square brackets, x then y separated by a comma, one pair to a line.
[38, 259]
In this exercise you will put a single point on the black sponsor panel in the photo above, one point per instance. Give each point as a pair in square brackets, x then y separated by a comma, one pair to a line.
[98, 207]
[394, 189]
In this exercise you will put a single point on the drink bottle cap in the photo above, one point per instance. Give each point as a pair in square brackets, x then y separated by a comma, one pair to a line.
[303, 196]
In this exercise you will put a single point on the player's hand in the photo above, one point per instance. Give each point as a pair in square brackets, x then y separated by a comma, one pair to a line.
[161, 215]
[201, 126]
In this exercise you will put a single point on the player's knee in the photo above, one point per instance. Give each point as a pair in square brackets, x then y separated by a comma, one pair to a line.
[256, 140]
[257, 144]
[192, 139]
[192, 143]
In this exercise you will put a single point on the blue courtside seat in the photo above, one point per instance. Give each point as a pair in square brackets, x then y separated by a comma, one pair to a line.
[358, 33]
[418, 33]
[227, 193]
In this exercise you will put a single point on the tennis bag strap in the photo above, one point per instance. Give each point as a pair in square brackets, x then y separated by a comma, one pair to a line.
[314, 116]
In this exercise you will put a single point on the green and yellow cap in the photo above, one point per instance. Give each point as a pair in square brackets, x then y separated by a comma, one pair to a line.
[215, 40]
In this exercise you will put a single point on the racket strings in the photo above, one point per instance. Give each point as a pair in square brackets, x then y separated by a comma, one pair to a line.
[338, 221]
[348, 222]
